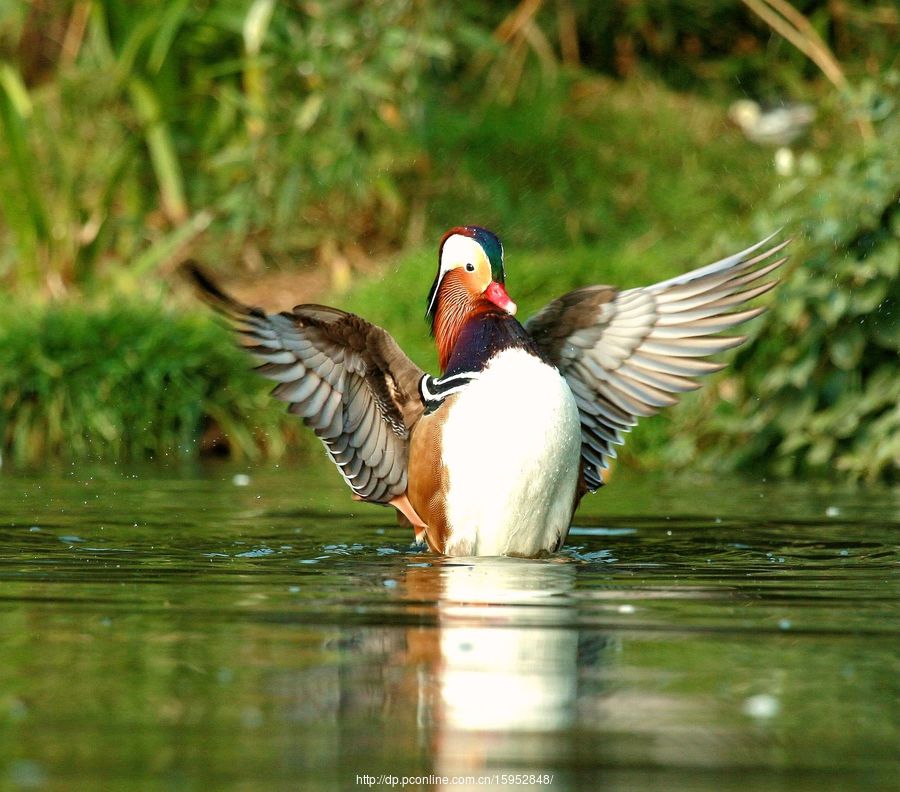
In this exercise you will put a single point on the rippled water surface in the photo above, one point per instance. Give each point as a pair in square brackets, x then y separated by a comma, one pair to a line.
[232, 628]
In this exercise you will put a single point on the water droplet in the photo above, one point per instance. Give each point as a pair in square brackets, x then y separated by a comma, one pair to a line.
[762, 706]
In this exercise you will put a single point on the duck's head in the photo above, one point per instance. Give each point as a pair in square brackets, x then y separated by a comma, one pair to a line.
[470, 279]
[470, 269]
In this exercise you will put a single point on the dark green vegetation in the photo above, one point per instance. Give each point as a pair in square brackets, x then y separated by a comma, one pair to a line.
[261, 137]
[128, 381]
[821, 387]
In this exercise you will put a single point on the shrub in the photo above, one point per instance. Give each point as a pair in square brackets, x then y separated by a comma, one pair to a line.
[129, 382]
[820, 388]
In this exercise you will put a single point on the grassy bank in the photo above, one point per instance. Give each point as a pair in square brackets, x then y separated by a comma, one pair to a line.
[128, 381]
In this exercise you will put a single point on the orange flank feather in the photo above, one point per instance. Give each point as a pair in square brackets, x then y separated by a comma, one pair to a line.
[429, 479]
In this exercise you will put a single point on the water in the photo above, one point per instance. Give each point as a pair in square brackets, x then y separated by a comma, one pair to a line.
[247, 629]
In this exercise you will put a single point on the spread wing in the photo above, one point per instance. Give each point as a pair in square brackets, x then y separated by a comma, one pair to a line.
[345, 377]
[627, 354]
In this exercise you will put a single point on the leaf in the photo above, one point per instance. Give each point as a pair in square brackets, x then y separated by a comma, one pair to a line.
[866, 298]
[15, 111]
[162, 149]
[821, 452]
[256, 24]
[845, 347]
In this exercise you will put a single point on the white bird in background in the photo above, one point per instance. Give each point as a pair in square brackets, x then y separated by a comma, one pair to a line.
[778, 126]
[775, 126]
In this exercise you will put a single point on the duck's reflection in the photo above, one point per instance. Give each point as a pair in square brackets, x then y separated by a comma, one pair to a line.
[477, 678]
[508, 650]
[506, 665]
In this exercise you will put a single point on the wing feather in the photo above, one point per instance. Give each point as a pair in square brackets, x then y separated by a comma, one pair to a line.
[682, 367]
[346, 378]
[658, 379]
[628, 354]
[297, 391]
[692, 347]
[282, 372]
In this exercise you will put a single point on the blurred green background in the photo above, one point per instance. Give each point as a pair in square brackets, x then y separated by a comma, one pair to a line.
[315, 151]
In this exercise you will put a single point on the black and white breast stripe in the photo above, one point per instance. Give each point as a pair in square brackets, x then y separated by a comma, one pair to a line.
[434, 390]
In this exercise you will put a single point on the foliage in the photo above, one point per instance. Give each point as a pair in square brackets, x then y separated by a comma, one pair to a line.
[128, 382]
[820, 389]
[256, 133]
[704, 46]
[287, 129]
[252, 134]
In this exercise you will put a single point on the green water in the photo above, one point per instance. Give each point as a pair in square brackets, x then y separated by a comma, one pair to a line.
[187, 630]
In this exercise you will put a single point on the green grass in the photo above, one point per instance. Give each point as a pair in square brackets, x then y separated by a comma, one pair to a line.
[590, 161]
[129, 381]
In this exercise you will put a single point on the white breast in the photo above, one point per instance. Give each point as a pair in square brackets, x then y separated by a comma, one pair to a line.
[511, 445]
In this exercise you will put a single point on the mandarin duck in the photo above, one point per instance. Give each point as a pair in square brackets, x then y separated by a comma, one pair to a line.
[493, 456]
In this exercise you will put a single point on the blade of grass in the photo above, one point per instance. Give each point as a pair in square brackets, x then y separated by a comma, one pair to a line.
[172, 19]
[159, 141]
[15, 112]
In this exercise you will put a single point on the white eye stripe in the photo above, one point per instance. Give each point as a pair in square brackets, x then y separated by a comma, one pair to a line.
[457, 248]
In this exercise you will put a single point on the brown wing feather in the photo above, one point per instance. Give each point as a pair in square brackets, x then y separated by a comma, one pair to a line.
[627, 354]
[346, 378]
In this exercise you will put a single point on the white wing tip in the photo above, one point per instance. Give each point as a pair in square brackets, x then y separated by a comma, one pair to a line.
[722, 264]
